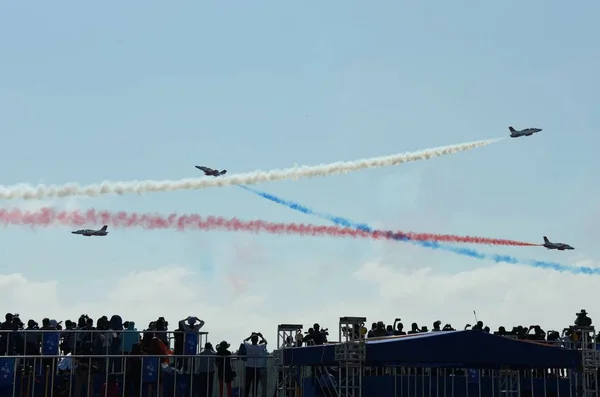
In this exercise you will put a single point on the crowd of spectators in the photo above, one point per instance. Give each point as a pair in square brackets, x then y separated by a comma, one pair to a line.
[531, 332]
[112, 336]
[81, 353]
[317, 336]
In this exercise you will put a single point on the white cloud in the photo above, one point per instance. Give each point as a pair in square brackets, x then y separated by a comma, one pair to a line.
[174, 292]
[501, 294]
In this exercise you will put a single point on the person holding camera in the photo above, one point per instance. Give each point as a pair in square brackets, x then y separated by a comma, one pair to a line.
[398, 327]
[255, 354]
[582, 319]
[33, 338]
[6, 341]
[316, 335]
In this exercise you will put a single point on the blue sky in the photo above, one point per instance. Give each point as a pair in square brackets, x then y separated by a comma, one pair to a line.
[148, 90]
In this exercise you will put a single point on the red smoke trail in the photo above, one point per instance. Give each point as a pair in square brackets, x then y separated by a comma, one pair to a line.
[50, 217]
[451, 238]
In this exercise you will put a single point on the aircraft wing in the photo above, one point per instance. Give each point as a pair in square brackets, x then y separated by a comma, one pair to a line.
[203, 168]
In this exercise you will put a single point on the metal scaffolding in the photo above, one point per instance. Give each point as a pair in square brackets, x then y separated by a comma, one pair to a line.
[510, 383]
[590, 361]
[350, 355]
[287, 374]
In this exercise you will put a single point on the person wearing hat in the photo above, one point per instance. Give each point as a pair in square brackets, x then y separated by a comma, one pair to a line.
[582, 320]
[204, 372]
[225, 373]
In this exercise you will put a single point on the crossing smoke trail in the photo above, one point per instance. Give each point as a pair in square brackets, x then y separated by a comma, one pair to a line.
[140, 187]
[398, 235]
[429, 244]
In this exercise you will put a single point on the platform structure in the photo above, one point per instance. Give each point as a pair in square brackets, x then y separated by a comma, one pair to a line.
[349, 328]
[286, 338]
[350, 353]
[590, 361]
[510, 383]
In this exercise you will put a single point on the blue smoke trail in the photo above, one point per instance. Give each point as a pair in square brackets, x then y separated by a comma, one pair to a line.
[339, 221]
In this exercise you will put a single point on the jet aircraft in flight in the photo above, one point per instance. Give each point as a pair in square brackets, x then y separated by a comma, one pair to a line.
[90, 232]
[526, 132]
[556, 246]
[210, 171]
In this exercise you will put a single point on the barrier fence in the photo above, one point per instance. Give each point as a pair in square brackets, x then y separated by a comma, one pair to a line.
[51, 363]
[137, 376]
[126, 363]
[54, 343]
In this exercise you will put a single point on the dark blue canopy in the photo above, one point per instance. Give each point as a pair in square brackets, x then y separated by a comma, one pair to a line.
[458, 349]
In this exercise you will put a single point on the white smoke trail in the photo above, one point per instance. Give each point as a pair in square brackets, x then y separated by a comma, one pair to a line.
[27, 192]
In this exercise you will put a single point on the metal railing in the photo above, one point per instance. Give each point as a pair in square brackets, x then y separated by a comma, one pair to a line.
[206, 374]
[36, 363]
[56, 342]
[92, 363]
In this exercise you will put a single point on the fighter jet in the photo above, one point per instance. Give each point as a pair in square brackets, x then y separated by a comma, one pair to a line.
[526, 132]
[556, 246]
[90, 232]
[210, 171]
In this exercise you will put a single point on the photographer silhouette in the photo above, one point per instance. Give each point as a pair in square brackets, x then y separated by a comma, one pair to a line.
[582, 319]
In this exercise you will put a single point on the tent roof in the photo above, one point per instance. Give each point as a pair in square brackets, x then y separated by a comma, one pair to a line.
[459, 349]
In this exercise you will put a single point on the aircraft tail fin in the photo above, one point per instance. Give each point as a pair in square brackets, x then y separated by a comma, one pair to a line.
[546, 240]
[511, 129]
[223, 172]
[104, 228]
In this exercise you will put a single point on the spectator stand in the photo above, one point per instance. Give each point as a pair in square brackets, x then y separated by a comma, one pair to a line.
[465, 363]
[34, 374]
[457, 363]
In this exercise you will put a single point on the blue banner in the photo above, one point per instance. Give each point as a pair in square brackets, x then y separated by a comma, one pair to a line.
[191, 343]
[7, 371]
[151, 368]
[50, 342]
